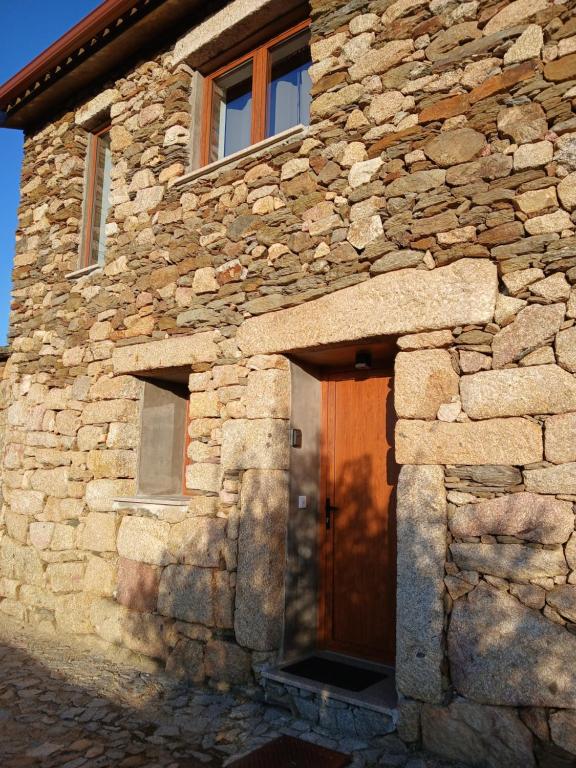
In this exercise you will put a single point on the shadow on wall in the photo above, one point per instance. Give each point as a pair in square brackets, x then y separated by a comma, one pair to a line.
[510, 666]
[501, 652]
[357, 557]
[509, 670]
[213, 610]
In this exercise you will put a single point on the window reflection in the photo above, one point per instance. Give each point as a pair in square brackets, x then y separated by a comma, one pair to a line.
[290, 84]
[232, 112]
[101, 198]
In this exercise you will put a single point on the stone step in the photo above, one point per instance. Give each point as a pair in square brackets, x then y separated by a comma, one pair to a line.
[329, 712]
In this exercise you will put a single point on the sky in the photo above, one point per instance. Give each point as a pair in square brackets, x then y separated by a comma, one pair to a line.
[27, 27]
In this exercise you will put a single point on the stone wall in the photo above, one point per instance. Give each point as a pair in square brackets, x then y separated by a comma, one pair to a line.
[442, 153]
[4, 399]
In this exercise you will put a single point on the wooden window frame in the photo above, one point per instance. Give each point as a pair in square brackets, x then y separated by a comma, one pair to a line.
[261, 70]
[88, 224]
[185, 460]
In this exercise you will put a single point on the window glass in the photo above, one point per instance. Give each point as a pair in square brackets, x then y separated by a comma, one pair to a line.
[258, 96]
[101, 198]
[163, 429]
[290, 84]
[232, 112]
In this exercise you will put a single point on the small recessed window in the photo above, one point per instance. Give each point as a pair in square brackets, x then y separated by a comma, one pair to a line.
[162, 439]
[97, 199]
[263, 93]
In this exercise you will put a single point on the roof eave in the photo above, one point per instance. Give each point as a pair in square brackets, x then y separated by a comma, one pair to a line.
[106, 13]
[82, 57]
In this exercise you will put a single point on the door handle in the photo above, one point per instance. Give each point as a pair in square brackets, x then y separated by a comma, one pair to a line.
[328, 509]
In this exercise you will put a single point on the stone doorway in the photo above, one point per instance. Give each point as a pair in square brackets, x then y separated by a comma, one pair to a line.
[324, 572]
[341, 571]
[390, 306]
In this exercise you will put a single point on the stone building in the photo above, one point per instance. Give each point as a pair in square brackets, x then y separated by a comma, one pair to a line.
[293, 349]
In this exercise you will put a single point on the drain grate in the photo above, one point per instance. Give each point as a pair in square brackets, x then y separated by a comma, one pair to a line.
[287, 752]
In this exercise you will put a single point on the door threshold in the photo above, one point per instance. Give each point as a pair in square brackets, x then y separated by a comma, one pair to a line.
[379, 697]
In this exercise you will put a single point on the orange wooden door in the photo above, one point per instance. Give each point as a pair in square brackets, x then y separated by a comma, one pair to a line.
[358, 536]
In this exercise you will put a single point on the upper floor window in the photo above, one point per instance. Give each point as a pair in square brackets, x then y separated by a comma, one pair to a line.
[97, 198]
[258, 95]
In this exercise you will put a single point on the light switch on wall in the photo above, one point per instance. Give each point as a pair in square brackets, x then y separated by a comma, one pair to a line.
[302, 502]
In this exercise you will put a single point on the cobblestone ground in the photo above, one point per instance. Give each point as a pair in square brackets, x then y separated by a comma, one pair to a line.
[69, 704]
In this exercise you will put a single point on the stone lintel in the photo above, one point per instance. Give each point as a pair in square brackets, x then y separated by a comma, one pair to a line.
[236, 21]
[165, 353]
[422, 524]
[407, 301]
[97, 109]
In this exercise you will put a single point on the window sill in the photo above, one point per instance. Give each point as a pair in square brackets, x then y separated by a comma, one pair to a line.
[163, 501]
[84, 272]
[159, 501]
[298, 131]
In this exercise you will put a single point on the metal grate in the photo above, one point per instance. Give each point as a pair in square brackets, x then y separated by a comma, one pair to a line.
[287, 752]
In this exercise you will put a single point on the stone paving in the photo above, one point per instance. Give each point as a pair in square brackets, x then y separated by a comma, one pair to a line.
[70, 704]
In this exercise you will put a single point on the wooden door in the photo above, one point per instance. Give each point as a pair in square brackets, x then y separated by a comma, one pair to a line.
[358, 536]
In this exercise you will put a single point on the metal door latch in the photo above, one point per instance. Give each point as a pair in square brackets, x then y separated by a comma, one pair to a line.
[328, 509]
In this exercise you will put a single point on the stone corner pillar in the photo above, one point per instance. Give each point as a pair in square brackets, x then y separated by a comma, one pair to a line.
[421, 536]
[259, 613]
